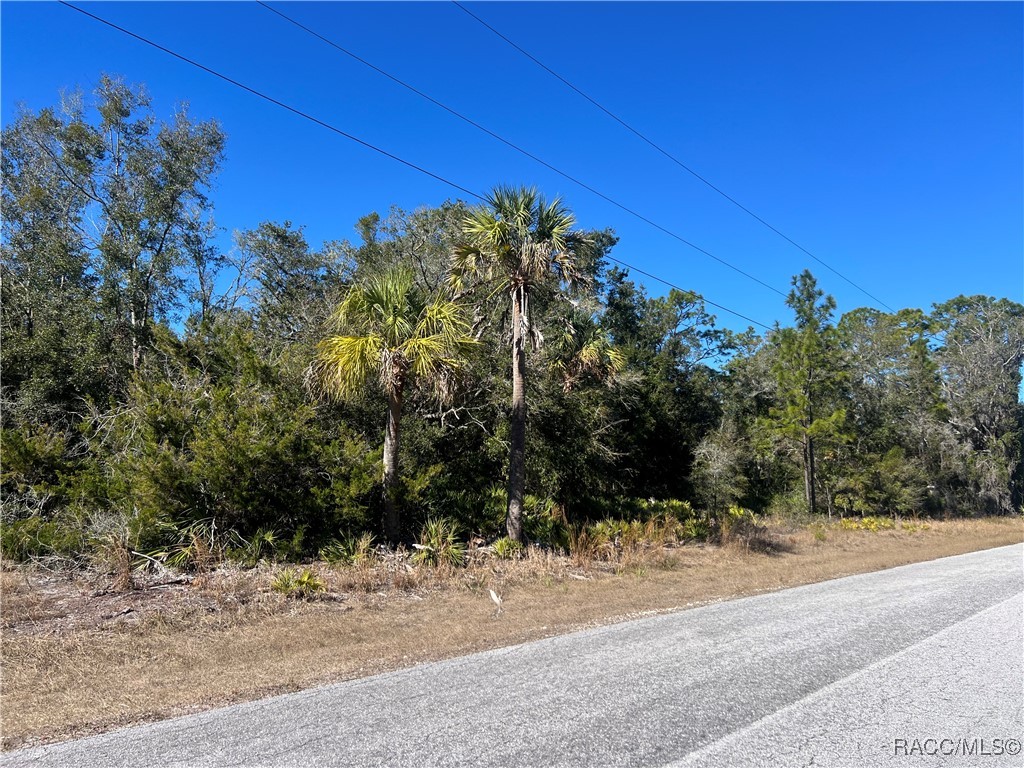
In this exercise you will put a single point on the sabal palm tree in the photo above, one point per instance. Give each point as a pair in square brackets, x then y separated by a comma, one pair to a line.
[391, 332]
[518, 240]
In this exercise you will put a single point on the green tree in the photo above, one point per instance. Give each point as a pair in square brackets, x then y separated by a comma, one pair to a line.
[291, 286]
[896, 418]
[140, 188]
[671, 402]
[585, 353]
[981, 349]
[394, 333]
[421, 240]
[517, 241]
[810, 376]
[52, 341]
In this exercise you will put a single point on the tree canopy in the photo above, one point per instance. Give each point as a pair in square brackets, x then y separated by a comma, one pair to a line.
[152, 382]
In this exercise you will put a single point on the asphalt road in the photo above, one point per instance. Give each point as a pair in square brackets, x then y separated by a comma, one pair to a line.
[921, 665]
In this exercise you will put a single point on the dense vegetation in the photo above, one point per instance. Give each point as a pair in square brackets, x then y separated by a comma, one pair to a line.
[477, 365]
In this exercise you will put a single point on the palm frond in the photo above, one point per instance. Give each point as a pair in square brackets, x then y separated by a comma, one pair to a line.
[585, 350]
[344, 364]
[391, 331]
[521, 235]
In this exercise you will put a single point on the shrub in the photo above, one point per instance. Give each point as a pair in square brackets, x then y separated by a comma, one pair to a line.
[737, 522]
[198, 546]
[818, 530]
[680, 510]
[696, 529]
[298, 584]
[507, 549]
[349, 550]
[544, 524]
[22, 540]
[262, 545]
[35, 461]
[439, 544]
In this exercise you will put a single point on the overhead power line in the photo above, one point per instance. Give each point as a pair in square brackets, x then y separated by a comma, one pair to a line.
[519, 149]
[265, 97]
[670, 156]
[368, 145]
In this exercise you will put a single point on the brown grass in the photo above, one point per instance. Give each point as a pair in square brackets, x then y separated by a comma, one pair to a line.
[227, 637]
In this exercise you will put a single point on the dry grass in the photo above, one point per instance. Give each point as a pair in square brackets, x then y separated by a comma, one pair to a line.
[226, 637]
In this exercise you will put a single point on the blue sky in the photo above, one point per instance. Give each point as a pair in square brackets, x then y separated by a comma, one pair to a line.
[886, 138]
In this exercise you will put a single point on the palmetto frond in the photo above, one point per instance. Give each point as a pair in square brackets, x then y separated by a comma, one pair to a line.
[585, 350]
[390, 332]
[518, 233]
[344, 364]
[554, 222]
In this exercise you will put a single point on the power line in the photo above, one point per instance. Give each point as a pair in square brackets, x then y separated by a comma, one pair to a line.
[705, 299]
[271, 99]
[519, 149]
[367, 144]
[670, 156]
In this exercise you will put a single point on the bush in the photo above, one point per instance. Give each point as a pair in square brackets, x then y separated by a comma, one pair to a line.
[680, 510]
[544, 524]
[226, 436]
[34, 459]
[439, 544]
[507, 549]
[22, 540]
[197, 547]
[348, 550]
[262, 545]
[696, 530]
[298, 584]
[737, 522]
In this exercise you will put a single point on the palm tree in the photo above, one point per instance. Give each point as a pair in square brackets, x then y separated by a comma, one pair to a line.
[518, 240]
[396, 334]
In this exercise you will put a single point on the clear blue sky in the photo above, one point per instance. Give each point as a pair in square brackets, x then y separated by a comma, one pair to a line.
[885, 138]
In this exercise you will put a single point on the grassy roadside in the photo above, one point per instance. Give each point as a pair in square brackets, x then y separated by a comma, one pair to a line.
[78, 660]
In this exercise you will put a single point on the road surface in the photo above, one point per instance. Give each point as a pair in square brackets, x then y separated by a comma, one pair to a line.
[915, 666]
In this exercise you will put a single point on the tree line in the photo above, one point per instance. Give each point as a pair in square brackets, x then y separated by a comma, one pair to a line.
[480, 363]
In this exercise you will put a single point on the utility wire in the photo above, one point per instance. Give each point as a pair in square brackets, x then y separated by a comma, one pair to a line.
[670, 156]
[265, 97]
[519, 149]
[370, 146]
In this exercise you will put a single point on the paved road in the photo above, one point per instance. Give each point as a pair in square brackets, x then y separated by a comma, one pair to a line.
[873, 670]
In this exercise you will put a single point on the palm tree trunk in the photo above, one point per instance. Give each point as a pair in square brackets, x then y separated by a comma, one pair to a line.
[392, 526]
[517, 449]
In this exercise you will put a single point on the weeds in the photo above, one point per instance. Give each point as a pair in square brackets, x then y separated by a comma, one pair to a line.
[867, 524]
[262, 546]
[914, 527]
[583, 547]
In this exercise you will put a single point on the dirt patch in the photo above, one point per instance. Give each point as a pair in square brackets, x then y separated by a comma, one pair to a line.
[79, 660]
